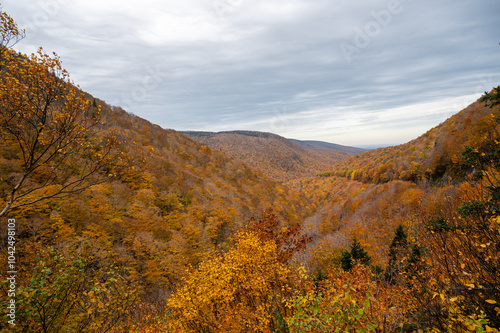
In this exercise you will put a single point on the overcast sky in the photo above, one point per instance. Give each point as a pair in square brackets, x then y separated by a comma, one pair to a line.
[351, 72]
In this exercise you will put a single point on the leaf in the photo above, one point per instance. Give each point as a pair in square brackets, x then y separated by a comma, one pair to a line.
[489, 329]
[490, 301]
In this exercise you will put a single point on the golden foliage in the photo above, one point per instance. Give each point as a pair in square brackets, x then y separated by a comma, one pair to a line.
[241, 290]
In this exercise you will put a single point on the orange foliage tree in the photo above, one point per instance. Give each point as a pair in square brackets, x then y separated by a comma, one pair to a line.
[465, 252]
[288, 239]
[50, 124]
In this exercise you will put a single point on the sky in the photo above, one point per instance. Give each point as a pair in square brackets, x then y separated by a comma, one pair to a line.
[353, 72]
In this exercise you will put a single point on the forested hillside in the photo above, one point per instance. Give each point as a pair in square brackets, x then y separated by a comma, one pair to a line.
[311, 144]
[434, 156]
[274, 156]
[123, 197]
[110, 223]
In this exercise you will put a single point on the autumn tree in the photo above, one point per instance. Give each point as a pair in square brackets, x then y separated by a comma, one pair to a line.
[351, 301]
[70, 293]
[10, 34]
[50, 125]
[245, 289]
[464, 250]
[288, 239]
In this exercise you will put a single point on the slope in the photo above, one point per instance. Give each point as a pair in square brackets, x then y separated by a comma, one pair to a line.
[433, 156]
[311, 144]
[172, 201]
[368, 195]
[276, 157]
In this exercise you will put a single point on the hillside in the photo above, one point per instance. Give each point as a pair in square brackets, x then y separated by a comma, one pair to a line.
[176, 192]
[309, 144]
[165, 201]
[369, 194]
[274, 156]
[434, 156]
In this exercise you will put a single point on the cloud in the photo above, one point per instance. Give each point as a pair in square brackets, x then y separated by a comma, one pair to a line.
[340, 71]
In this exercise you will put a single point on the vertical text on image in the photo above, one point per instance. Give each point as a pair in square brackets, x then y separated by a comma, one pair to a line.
[12, 270]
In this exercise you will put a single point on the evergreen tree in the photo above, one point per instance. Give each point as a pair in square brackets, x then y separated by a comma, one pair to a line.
[399, 243]
[356, 255]
[346, 261]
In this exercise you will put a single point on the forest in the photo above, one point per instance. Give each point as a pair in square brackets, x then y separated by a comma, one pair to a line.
[109, 223]
[272, 155]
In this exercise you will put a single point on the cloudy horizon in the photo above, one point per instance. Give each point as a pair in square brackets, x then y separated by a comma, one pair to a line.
[345, 72]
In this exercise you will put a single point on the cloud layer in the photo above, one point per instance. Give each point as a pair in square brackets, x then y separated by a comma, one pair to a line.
[348, 72]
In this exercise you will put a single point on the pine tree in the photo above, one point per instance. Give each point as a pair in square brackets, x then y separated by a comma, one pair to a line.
[399, 243]
[356, 255]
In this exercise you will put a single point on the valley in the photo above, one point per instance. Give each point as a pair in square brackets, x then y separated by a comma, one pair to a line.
[125, 226]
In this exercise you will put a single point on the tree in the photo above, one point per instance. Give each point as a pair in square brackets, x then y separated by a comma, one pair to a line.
[71, 293]
[355, 255]
[464, 251]
[10, 34]
[397, 249]
[492, 98]
[341, 303]
[51, 125]
[245, 289]
[289, 240]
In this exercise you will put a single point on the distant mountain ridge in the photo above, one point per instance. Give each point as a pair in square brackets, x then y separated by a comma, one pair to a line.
[273, 155]
[327, 145]
[308, 144]
[240, 132]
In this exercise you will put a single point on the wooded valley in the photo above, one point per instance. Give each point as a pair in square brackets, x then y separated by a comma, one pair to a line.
[123, 226]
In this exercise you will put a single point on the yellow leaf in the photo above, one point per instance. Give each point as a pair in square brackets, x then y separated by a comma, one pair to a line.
[491, 301]
[489, 329]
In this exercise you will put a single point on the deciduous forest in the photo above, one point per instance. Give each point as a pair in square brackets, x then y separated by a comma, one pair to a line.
[123, 226]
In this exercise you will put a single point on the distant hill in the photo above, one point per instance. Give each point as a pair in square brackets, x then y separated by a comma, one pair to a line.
[327, 145]
[273, 155]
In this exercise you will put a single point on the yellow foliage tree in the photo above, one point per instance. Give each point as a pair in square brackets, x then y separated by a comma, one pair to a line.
[50, 122]
[243, 290]
[10, 33]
